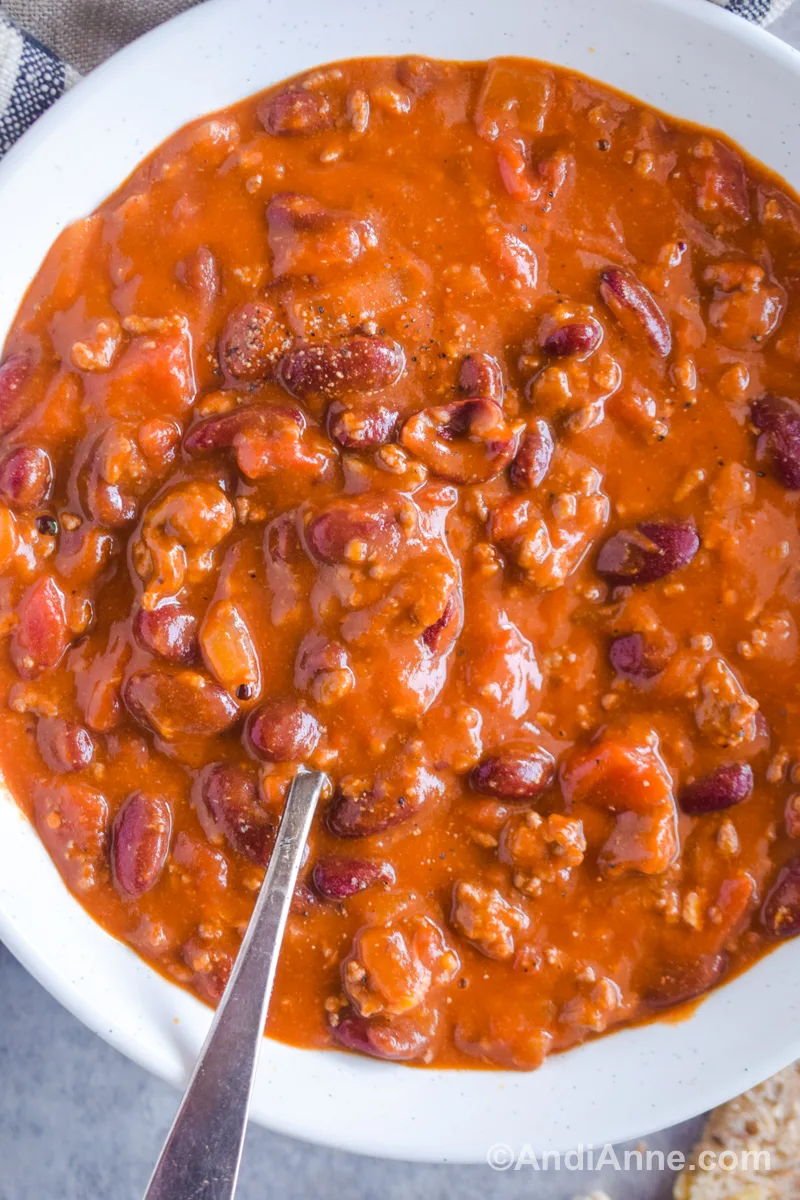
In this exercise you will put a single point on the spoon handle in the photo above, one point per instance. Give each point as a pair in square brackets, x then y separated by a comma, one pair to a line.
[203, 1149]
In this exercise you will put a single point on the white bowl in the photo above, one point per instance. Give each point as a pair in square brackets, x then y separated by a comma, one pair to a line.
[689, 58]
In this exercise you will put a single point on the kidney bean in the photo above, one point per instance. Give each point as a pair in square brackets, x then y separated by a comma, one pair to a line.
[180, 704]
[635, 309]
[229, 650]
[14, 372]
[359, 364]
[791, 815]
[323, 668]
[514, 774]
[573, 338]
[778, 421]
[361, 427]
[336, 878]
[649, 552]
[99, 682]
[721, 182]
[316, 653]
[291, 211]
[282, 546]
[305, 236]
[637, 657]
[193, 516]
[681, 981]
[223, 431]
[420, 75]
[781, 911]
[83, 554]
[252, 342]
[283, 729]
[296, 111]
[140, 842]
[392, 968]
[113, 476]
[64, 745]
[481, 377]
[72, 821]
[200, 273]
[106, 503]
[355, 531]
[532, 460]
[395, 1039]
[728, 785]
[264, 439]
[211, 965]
[26, 477]
[357, 811]
[158, 440]
[40, 636]
[468, 441]
[229, 801]
[168, 631]
[287, 568]
[197, 512]
[360, 808]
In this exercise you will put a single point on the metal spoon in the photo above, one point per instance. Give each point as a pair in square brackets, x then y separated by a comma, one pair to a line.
[203, 1150]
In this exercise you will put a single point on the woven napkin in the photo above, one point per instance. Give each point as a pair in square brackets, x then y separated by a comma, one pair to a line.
[45, 45]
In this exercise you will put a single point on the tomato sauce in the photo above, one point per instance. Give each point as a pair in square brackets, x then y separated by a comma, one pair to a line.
[436, 426]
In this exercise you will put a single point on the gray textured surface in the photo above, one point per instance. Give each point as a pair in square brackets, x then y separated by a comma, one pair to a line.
[79, 1122]
[788, 27]
[84, 32]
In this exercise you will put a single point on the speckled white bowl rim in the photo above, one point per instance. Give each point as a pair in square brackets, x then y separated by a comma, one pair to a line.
[687, 57]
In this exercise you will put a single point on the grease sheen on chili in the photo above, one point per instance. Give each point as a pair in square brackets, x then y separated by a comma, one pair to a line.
[437, 426]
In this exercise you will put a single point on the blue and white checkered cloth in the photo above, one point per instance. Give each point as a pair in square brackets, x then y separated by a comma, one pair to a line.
[763, 12]
[31, 77]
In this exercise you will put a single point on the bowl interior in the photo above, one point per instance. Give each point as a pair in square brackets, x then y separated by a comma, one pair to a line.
[687, 58]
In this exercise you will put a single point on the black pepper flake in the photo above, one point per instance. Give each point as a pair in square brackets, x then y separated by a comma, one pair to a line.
[244, 691]
[603, 144]
[47, 526]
